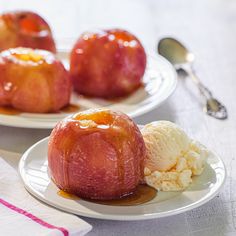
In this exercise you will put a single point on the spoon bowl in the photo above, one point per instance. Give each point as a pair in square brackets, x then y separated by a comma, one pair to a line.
[174, 51]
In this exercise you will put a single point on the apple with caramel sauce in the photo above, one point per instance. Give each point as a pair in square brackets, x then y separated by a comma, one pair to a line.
[33, 81]
[97, 154]
[107, 64]
[25, 29]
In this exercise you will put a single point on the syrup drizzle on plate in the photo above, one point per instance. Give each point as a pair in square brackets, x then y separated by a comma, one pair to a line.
[142, 195]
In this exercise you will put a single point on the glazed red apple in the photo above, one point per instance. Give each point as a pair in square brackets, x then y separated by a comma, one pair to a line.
[96, 154]
[107, 64]
[25, 29]
[33, 81]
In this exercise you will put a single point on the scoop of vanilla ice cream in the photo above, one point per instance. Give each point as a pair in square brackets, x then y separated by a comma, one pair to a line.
[172, 157]
[168, 181]
[165, 142]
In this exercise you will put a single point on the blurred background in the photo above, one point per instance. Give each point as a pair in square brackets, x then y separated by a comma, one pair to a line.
[207, 27]
[204, 20]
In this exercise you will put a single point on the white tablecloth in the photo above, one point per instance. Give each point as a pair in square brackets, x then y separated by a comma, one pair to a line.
[208, 27]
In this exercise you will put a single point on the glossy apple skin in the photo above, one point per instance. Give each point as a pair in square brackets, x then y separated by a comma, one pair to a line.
[107, 64]
[96, 154]
[38, 85]
[25, 29]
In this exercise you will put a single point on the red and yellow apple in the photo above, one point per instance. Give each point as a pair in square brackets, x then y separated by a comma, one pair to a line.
[33, 81]
[107, 64]
[25, 29]
[97, 154]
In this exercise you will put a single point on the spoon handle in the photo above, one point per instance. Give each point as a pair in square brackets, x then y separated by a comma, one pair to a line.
[213, 107]
[202, 88]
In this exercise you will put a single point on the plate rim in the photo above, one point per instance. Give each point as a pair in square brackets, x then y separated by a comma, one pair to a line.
[144, 216]
[34, 123]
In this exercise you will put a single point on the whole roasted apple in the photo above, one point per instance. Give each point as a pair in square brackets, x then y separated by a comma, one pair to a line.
[33, 81]
[107, 64]
[25, 29]
[97, 154]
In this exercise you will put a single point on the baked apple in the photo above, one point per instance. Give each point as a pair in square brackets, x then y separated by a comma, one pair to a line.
[33, 81]
[107, 64]
[96, 154]
[25, 29]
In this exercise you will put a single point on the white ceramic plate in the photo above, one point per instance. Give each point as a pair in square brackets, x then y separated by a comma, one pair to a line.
[159, 83]
[33, 171]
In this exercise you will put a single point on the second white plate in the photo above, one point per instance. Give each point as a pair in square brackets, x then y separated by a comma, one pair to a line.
[33, 171]
[160, 81]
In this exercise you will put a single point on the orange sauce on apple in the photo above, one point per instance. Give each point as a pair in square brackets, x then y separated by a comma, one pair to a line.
[9, 110]
[28, 56]
[102, 121]
[143, 194]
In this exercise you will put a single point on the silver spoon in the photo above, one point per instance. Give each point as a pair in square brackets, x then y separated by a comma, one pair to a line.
[181, 58]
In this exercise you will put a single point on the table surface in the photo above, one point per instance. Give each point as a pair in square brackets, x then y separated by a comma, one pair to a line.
[208, 27]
